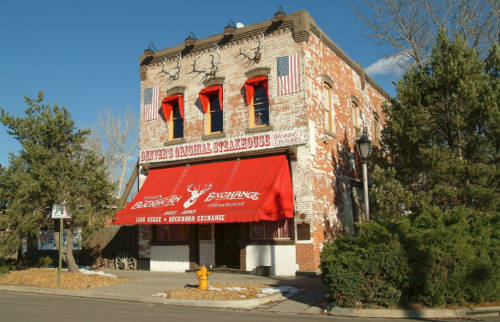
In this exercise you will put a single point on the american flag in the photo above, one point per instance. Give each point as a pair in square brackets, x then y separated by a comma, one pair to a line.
[151, 102]
[288, 74]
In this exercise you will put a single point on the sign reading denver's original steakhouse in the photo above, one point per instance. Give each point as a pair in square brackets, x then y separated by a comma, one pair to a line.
[254, 142]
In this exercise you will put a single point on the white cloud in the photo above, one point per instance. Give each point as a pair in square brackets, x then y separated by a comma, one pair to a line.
[386, 66]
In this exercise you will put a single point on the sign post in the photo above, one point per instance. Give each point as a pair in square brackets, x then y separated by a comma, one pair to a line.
[60, 211]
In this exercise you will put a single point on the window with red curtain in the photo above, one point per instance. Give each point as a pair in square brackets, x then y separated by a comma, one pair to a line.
[211, 100]
[173, 110]
[257, 95]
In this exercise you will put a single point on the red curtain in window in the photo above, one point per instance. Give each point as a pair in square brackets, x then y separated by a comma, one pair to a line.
[251, 83]
[167, 103]
[207, 92]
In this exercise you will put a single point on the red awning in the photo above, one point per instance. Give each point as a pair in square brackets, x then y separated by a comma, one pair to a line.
[232, 191]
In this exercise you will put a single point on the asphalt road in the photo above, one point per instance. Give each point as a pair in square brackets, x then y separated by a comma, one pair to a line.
[24, 307]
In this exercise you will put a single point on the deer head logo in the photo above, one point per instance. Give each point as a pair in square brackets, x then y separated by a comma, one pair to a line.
[195, 194]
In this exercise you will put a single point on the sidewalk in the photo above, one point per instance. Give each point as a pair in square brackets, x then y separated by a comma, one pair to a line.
[311, 300]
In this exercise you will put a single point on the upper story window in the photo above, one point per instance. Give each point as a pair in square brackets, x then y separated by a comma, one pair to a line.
[257, 95]
[329, 113]
[211, 100]
[376, 129]
[173, 110]
[356, 114]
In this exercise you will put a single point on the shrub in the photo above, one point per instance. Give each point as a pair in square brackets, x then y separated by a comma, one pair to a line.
[368, 269]
[432, 258]
[44, 262]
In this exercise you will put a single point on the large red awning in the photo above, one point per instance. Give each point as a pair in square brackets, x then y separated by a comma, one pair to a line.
[232, 191]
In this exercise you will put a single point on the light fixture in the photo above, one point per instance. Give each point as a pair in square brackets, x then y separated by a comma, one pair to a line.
[148, 51]
[190, 40]
[230, 28]
[280, 15]
[364, 145]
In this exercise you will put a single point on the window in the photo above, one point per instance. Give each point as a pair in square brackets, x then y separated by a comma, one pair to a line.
[272, 229]
[355, 117]
[327, 102]
[215, 116]
[177, 123]
[376, 130]
[174, 114]
[257, 97]
[211, 100]
[178, 232]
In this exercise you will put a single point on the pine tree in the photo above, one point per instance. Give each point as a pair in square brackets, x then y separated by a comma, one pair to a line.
[442, 133]
[53, 167]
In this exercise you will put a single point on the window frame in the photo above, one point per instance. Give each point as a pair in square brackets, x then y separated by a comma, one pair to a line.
[288, 221]
[207, 95]
[355, 117]
[172, 123]
[376, 130]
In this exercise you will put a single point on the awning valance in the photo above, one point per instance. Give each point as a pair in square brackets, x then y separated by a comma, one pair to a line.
[232, 191]
[209, 91]
[250, 86]
[167, 105]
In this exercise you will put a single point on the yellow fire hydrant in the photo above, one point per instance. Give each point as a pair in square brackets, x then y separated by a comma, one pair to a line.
[203, 277]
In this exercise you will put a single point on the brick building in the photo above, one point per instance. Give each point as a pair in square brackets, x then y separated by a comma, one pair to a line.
[247, 149]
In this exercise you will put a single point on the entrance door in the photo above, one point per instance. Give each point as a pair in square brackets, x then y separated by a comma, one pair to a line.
[207, 248]
[227, 245]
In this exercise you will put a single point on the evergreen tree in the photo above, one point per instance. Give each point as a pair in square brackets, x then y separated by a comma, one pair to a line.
[442, 134]
[53, 167]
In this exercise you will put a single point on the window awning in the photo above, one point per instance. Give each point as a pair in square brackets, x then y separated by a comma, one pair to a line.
[232, 191]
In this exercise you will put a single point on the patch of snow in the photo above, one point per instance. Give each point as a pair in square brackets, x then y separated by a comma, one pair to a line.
[287, 290]
[160, 294]
[210, 288]
[235, 288]
[242, 296]
[89, 272]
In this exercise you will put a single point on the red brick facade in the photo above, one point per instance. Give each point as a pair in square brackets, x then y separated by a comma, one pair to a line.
[325, 168]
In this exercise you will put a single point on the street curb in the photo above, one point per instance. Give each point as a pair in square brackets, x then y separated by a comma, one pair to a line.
[142, 298]
[415, 314]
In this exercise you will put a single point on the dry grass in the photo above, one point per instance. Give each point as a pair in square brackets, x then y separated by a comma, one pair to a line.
[250, 291]
[47, 278]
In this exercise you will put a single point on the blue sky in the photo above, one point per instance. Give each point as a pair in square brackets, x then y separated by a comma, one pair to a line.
[84, 55]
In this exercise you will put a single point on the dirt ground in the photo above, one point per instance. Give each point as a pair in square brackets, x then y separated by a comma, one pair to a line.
[47, 278]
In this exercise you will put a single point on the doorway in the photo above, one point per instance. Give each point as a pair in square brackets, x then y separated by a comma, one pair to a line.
[227, 245]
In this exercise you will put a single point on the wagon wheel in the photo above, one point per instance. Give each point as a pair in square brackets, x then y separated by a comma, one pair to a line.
[106, 260]
[125, 260]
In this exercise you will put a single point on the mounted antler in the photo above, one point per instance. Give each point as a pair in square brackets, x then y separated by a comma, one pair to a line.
[172, 75]
[252, 58]
[210, 72]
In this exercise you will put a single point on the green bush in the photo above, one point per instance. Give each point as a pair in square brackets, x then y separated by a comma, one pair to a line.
[431, 258]
[368, 269]
[44, 262]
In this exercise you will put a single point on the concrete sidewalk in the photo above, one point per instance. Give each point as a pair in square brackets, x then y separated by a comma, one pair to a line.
[311, 300]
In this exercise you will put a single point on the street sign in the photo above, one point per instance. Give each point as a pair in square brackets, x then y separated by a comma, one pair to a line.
[60, 211]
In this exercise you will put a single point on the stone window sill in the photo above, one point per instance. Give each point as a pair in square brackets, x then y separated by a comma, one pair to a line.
[214, 136]
[175, 141]
[259, 129]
